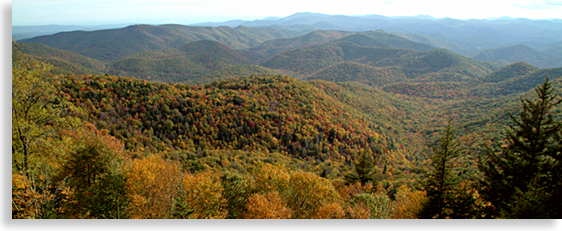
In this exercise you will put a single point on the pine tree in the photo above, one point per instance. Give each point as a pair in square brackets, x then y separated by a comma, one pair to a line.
[446, 197]
[363, 170]
[523, 179]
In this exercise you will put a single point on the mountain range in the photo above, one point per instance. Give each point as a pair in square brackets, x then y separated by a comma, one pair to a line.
[470, 35]
[229, 103]
[400, 64]
[476, 38]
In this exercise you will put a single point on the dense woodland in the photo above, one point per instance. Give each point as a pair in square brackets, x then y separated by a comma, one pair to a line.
[329, 125]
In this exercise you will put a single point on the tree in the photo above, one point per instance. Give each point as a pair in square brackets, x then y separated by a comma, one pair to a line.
[95, 173]
[203, 193]
[38, 111]
[523, 179]
[363, 170]
[152, 184]
[407, 203]
[268, 206]
[444, 198]
[378, 204]
[39, 115]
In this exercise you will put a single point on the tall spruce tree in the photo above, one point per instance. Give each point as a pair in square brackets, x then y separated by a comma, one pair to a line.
[523, 179]
[441, 181]
[363, 170]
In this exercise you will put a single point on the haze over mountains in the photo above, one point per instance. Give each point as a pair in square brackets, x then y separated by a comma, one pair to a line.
[399, 54]
[473, 38]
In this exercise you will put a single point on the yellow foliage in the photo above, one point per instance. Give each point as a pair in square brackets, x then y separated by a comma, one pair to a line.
[407, 203]
[359, 211]
[204, 194]
[32, 199]
[268, 206]
[271, 178]
[152, 184]
[330, 211]
[307, 192]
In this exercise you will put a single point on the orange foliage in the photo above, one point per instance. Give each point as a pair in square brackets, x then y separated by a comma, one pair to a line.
[152, 183]
[268, 206]
[407, 203]
[347, 192]
[359, 211]
[330, 211]
[31, 197]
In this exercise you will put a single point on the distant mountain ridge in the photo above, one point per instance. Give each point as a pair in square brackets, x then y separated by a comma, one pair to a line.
[388, 61]
[517, 53]
[388, 58]
[469, 35]
[114, 44]
[471, 38]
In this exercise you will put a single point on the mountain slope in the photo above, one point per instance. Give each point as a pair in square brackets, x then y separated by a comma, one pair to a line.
[389, 40]
[519, 53]
[436, 65]
[115, 44]
[65, 61]
[272, 47]
[351, 71]
[518, 84]
[510, 71]
[262, 113]
[183, 64]
[377, 57]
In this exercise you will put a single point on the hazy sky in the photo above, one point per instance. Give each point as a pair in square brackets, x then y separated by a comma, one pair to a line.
[94, 12]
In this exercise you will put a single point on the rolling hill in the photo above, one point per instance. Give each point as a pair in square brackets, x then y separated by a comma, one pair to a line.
[114, 44]
[65, 61]
[436, 65]
[290, 117]
[519, 53]
[272, 47]
[186, 63]
[514, 79]
[375, 58]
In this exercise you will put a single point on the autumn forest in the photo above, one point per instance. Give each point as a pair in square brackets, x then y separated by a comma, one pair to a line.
[185, 122]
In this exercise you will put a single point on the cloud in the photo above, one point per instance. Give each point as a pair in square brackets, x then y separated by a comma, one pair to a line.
[553, 2]
[538, 5]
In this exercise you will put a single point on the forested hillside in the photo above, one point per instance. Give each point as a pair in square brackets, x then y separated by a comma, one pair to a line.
[193, 122]
[114, 44]
[520, 53]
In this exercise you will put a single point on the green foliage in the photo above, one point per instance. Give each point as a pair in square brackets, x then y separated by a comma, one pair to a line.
[237, 191]
[108, 199]
[66, 62]
[39, 111]
[378, 204]
[219, 139]
[526, 166]
[363, 170]
[446, 199]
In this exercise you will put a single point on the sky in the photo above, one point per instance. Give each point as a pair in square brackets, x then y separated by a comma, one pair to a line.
[99, 12]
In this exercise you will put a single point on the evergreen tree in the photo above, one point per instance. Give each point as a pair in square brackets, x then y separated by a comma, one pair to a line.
[363, 170]
[446, 197]
[523, 179]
